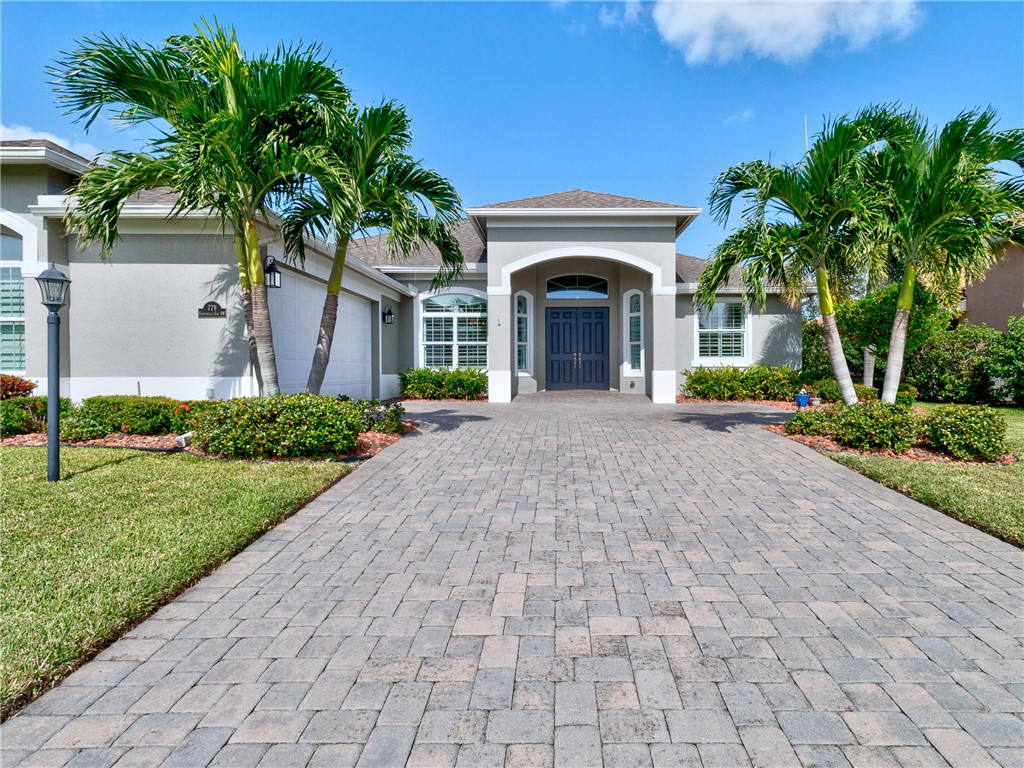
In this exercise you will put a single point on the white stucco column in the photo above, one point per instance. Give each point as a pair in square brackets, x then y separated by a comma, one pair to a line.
[663, 346]
[499, 345]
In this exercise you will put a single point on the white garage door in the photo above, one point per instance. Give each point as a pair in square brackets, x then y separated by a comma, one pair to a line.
[295, 310]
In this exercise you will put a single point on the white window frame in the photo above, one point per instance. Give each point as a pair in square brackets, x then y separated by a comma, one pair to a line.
[627, 368]
[454, 290]
[529, 332]
[20, 265]
[739, 362]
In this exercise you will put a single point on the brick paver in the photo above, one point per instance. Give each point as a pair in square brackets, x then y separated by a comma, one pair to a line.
[573, 580]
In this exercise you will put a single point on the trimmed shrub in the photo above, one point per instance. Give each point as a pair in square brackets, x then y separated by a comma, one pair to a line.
[864, 393]
[79, 427]
[19, 415]
[967, 431]
[1006, 361]
[14, 420]
[906, 395]
[827, 390]
[443, 384]
[375, 416]
[715, 383]
[280, 426]
[15, 386]
[188, 414]
[811, 422]
[769, 382]
[953, 366]
[873, 424]
[132, 414]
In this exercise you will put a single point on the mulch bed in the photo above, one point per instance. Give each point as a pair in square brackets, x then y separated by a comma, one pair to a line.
[369, 443]
[784, 405]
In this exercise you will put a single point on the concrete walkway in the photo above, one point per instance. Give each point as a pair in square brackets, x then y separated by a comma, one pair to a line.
[578, 581]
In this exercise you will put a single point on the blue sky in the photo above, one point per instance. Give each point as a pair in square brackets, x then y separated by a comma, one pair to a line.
[650, 100]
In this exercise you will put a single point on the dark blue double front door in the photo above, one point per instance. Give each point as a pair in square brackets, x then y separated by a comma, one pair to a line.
[577, 347]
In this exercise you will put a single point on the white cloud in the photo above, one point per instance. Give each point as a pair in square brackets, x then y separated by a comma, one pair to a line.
[624, 14]
[786, 30]
[23, 133]
[740, 117]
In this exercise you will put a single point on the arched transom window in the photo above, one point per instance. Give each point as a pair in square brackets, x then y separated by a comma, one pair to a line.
[577, 287]
[455, 331]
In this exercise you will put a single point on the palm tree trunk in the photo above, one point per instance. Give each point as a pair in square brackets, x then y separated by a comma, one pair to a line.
[869, 366]
[250, 333]
[263, 333]
[328, 319]
[898, 338]
[833, 342]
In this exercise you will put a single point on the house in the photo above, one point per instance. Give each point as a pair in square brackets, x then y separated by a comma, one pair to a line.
[999, 295]
[573, 290]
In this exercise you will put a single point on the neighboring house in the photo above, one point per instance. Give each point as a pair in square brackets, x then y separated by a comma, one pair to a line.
[1000, 294]
[575, 290]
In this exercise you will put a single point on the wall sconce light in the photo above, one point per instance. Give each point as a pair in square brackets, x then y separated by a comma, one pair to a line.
[388, 316]
[271, 274]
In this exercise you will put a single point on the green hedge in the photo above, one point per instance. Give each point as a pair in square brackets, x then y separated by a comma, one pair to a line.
[278, 427]
[873, 424]
[967, 431]
[758, 382]
[131, 414]
[443, 384]
[953, 367]
[19, 415]
[1006, 361]
[375, 416]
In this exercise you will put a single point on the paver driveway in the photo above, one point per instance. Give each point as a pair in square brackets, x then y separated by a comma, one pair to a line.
[577, 580]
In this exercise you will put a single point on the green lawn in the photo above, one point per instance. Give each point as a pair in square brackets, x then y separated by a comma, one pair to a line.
[86, 558]
[986, 496]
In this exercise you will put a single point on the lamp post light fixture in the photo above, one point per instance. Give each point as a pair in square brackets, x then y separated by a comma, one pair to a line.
[54, 285]
[388, 316]
[271, 274]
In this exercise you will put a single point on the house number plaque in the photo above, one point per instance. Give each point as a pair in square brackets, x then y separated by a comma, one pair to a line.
[212, 309]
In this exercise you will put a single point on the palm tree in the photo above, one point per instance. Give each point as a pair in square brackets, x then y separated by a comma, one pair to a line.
[236, 135]
[802, 222]
[381, 188]
[946, 204]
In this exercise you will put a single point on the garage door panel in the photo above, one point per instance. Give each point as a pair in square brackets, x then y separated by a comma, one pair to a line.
[295, 311]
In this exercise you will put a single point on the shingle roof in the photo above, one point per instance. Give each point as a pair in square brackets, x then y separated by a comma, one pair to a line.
[156, 196]
[689, 269]
[44, 143]
[581, 198]
[373, 250]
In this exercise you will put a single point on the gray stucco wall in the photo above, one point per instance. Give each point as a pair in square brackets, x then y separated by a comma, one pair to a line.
[773, 334]
[21, 185]
[138, 316]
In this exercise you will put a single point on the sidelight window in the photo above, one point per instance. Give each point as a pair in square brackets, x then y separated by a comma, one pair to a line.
[633, 341]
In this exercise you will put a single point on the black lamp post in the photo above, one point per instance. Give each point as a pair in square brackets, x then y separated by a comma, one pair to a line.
[388, 316]
[54, 285]
[271, 274]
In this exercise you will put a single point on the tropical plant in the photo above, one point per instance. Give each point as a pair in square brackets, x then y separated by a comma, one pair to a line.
[946, 203]
[235, 135]
[1007, 360]
[381, 188]
[802, 222]
[865, 323]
